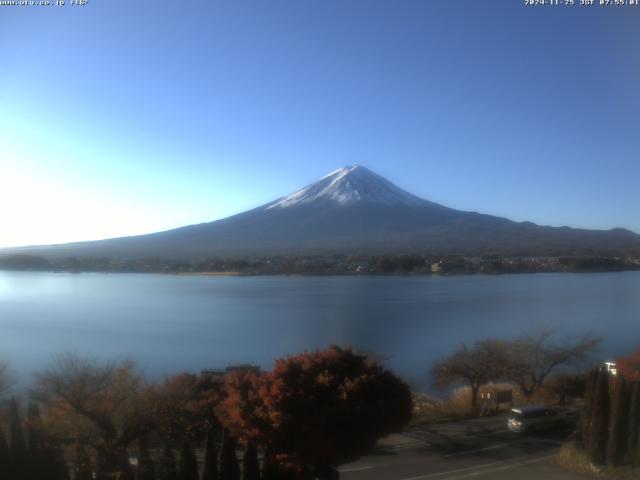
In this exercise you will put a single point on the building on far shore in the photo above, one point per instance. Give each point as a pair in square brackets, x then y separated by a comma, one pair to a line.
[220, 372]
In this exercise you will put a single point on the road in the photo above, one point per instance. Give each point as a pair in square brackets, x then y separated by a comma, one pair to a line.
[473, 449]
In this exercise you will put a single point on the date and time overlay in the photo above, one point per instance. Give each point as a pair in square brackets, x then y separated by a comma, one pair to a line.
[532, 3]
[583, 3]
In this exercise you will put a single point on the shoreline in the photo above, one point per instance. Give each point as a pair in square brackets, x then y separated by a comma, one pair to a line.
[202, 274]
[325, 274]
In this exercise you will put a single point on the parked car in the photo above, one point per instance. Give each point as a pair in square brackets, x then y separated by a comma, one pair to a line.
[528, 419]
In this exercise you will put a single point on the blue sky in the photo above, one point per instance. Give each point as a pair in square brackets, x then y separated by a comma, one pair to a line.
[124, 117]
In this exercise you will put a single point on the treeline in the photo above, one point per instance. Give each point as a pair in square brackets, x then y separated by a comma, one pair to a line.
[312, 412]
[330, 265]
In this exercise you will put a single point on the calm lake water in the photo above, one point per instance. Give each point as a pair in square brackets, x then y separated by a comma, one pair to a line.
[187, 323]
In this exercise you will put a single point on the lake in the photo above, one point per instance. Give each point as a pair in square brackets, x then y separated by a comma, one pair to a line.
[186, 323]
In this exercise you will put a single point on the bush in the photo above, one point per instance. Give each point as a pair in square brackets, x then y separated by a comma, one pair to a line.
[330, 407]
[572, 457]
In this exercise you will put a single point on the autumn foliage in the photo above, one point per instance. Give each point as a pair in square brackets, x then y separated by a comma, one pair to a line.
[629, 366]
[241, 409]
[318, 409]
[312, 412]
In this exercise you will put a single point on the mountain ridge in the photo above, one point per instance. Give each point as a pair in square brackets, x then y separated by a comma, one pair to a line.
[351, 209]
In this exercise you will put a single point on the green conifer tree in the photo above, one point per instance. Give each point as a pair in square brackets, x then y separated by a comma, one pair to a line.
[599, 423]
[4, 447]
[35, 437]
[633, 445]
[587, 409]
[103, 466]
[188, 462]
[167, 464]
[250, 465]
[57, 465]
[229, 467]
[618, 441]
[38, 462]
[18, 462]
[82, 465]
[146, 465]
[16, 434]
[269, 468]
[5, 467]
[210, 468]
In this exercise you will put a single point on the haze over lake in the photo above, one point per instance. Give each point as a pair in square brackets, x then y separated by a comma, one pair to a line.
[175, 323]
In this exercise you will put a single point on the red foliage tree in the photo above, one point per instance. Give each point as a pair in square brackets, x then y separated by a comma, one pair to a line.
[330, 407]
[241, 409]
[629, 366]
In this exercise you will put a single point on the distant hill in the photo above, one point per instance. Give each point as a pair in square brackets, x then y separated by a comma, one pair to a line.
[352, 210]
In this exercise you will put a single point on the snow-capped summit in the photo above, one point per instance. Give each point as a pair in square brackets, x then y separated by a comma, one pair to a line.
[350, 210]
[348, 185]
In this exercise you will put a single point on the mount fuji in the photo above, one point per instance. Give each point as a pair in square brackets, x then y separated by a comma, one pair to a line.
[352, 210]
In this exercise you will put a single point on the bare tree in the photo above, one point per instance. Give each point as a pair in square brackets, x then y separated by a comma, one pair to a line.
[532, 358]
[484, 362]
[101, 405]
[567, 385]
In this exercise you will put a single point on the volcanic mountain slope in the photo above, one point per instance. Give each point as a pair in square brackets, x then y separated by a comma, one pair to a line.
[353, 210]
